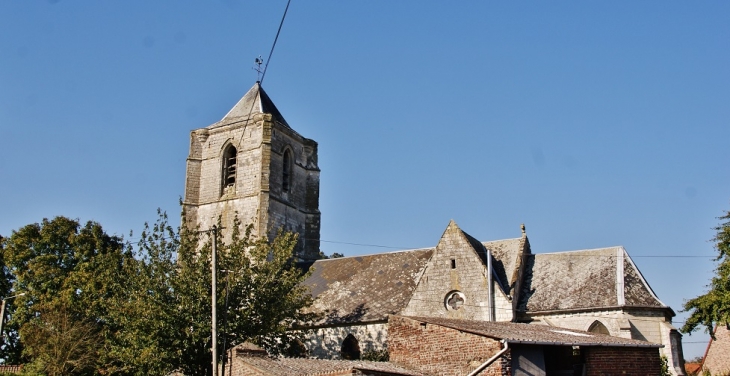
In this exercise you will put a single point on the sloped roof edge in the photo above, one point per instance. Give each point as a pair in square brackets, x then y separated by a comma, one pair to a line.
[520, 333]
[255, 101]
[641, 276]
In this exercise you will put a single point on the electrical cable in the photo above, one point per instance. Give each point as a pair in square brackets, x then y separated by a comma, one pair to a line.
[271, 52]
[562, 254]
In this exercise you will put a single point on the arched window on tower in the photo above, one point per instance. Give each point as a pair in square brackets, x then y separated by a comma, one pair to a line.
[598, 327]
[286, 171]
[229, 167]
[350, 349]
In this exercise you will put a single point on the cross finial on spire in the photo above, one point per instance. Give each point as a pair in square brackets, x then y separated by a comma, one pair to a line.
[259, 60]
[522, 227]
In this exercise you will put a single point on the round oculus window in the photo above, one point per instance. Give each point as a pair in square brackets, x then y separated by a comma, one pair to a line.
[454, 300]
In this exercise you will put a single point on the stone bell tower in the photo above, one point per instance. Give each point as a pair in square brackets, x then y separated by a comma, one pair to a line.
[253, 165]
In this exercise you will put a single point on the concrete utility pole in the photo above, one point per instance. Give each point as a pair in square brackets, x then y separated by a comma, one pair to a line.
[214, 302]
[2, 312]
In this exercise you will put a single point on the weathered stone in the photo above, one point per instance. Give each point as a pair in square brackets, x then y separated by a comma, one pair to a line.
[259, 196]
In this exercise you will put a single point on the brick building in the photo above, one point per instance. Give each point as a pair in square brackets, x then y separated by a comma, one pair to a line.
[452, 347]
[447, 347]
[253, 165]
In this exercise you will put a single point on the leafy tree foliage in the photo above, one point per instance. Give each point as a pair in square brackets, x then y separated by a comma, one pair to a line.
[146, 310]
[335, 255]
[59, 263]
[61, 344]
[713, 308]
[664, 366]
[260, 296]
[9, 344]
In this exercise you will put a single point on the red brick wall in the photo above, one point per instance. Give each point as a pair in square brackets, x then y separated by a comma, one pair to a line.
[11, 369]
[439, 350]
[623, 361]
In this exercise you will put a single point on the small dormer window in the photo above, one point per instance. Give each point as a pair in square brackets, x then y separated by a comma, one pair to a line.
[229, 167]
[286, 171]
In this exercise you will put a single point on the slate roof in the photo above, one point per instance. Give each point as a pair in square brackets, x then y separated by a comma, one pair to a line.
[533, 334]
[365, 288]
[255, 101]
[597, 278]
[369, 288]
[505, 259]
[315, 367]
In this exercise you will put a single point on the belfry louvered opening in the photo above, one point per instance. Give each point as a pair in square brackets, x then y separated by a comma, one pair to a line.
[229, 167]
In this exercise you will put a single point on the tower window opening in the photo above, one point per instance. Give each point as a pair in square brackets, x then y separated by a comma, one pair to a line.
[453, 263]
[229, 167]
[286, 171]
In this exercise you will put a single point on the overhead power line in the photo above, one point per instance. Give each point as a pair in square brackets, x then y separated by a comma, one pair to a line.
[134, 241]
[276, 39]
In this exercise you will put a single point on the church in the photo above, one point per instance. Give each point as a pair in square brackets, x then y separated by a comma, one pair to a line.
[252, 164]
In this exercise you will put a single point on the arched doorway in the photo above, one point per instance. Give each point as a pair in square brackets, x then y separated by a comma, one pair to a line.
[350, 349]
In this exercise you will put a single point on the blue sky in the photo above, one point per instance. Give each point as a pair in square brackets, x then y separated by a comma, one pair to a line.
[594, 123]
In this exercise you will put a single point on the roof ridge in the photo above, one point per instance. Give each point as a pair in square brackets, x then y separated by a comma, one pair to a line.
[500, 240]
[377, 254]
[580, 250]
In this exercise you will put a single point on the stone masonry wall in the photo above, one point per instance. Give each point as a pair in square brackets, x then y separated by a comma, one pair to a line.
[325, 343]
[205, 198]
[623, 361]
[257, 196]
[455, 266]
[295, 209]
[439, 350]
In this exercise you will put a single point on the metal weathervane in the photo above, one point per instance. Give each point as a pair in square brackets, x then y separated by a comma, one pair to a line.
[260, 72]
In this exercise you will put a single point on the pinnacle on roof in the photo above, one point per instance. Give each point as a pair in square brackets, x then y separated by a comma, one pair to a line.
[255, 101]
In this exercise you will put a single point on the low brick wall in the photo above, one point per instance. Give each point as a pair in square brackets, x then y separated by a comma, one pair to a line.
[439, 350]
[11, 369]
[623, 361]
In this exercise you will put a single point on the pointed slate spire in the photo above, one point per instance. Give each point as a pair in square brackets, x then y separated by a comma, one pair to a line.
[255, 101]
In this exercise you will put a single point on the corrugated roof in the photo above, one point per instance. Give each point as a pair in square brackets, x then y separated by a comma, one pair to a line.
[533, 334]
[585, 279]
[316, 367]
[365, 288]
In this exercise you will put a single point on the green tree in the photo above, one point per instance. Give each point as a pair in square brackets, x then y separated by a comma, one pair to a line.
[60, 263]
[9, 343]
[713, 308]
[259, 295]
[148, 308]
[61, 344]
